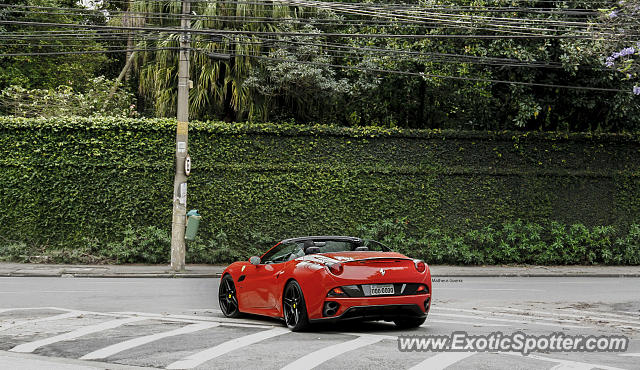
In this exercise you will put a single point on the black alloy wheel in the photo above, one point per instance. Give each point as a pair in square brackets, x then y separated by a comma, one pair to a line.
[294, 307]
[227, 297]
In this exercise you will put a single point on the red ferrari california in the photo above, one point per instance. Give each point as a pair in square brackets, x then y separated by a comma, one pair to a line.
[328, 278]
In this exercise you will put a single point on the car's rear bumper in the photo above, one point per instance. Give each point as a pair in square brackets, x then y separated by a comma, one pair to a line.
[377, 308]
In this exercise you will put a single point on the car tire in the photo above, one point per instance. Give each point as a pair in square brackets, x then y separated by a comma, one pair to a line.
[227, 297]
[409, 322]
[294, 308]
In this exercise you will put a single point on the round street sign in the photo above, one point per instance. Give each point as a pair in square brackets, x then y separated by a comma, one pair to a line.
[187, 165]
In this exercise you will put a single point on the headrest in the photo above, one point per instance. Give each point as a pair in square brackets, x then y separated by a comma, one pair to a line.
[308, 244]
[312, 250]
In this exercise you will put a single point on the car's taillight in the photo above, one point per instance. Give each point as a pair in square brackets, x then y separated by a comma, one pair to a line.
[420, 265]
[336, 268]
[337, 292]
[421, 288]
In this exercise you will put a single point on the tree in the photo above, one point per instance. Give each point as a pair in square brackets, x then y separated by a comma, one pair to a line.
[219, 85]
[623, 48]
[297, 83]
[47, 71]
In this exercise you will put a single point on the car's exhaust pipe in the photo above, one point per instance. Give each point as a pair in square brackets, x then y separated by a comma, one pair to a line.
[330, 308]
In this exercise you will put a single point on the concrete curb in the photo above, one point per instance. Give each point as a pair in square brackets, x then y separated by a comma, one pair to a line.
[215, 276]
[215, 271]
[610, 275]
[129, 276]
[218, 275]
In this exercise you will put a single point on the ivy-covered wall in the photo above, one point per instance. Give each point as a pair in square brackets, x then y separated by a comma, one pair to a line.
[65, 179]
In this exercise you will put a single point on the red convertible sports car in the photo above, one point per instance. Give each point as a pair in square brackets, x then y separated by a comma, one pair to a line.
[328, 278]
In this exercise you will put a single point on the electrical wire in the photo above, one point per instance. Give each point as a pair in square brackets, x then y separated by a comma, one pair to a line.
[83, 52]
[303, 34]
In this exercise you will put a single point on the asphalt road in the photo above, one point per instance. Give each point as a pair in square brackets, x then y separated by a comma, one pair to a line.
[53, 323]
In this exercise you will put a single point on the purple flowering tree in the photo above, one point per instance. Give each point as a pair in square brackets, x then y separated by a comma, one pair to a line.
[619, 40]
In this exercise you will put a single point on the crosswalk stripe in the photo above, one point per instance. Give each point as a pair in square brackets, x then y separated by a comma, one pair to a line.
[520, 316]
[204, 310]
[42, 319]
[636, 313]
[505, 320]
[32, 346]
[615, 318]
[136, 342]
[570, 366]
[219, 350]
[442, 360]
[33, 309]
[193, 319]
[583, 316]
[316, 358]
[462, 322]
[564, 312]
[563, 364]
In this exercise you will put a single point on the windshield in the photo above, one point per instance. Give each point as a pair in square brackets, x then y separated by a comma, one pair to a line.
[329, 246]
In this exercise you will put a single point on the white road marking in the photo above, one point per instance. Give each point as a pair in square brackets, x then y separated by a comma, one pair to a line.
[630, 354]
[318, 357]
[226, 347]
[628, 320]
[32, 308]
[442, 360]
[48, 291]
[564, 312]
[505, 320]
[42, 319]
[509, 315]
[9, 362]
[381, 336]
[136, 342]
[492, 289]
[636, 313]
[563, 364]
[462, 322]
[572, 366]
[205, 310]
[584, 316]
[32, 346]
[193, 319]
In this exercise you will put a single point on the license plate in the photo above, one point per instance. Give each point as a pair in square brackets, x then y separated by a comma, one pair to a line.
[382, 289]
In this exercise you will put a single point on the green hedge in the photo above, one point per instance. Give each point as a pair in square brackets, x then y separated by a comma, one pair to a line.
[69, 182]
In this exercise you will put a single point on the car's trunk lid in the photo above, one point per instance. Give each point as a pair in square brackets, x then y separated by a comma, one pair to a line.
[373, 267]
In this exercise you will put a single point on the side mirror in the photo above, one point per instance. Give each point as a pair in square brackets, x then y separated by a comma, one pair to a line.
[255, 260]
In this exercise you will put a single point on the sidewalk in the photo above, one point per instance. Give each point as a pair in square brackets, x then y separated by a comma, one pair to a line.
[212, 271]
[10, 360]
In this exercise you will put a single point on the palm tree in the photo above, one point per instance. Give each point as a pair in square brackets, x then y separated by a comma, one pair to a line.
[218, 85]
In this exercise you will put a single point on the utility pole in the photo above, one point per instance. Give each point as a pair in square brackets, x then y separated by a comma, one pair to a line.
[182, 132]
[128, 23]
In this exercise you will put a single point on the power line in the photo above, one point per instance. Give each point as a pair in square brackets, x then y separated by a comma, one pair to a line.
[82, 52]
[324, 5]
[391, 20]
[447, 22]
[323, 22]
[303, 34]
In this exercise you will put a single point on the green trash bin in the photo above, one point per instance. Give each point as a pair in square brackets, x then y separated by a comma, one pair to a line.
[193, 222]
